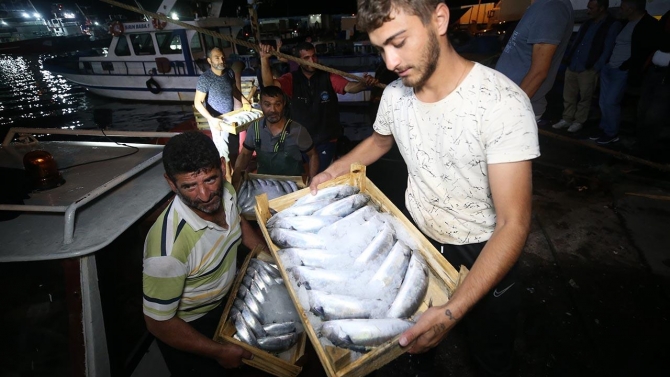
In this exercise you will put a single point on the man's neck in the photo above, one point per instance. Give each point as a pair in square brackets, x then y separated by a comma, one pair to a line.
[450, 72]
[276, 128]
[307, 74]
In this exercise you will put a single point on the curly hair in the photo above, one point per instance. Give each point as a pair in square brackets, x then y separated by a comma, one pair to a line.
[189, 152]
[373, 13]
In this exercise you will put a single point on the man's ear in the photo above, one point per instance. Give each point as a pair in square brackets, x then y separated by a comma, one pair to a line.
[441, 18]
[169, 181]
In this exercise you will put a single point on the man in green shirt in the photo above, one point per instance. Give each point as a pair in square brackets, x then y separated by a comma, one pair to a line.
[190, 257]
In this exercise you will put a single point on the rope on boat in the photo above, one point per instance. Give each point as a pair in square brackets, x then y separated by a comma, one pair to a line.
[240, 42]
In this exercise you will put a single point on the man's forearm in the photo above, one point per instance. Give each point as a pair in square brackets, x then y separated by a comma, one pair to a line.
[532, 82]
[313, 165]
[494, 262]
[266, 72]
[251, 238]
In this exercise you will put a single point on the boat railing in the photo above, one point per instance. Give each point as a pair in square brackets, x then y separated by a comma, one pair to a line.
[68, 205]
[156, 67]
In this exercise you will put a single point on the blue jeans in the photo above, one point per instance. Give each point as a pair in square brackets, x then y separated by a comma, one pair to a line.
[612, 88]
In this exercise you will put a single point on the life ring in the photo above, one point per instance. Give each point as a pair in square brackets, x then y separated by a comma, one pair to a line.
[158, 23]
[153, 86]
[116, 28]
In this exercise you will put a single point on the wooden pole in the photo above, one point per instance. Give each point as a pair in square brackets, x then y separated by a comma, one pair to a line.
[237, 41]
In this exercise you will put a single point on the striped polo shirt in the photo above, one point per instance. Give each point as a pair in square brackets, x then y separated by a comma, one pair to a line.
[189, 263]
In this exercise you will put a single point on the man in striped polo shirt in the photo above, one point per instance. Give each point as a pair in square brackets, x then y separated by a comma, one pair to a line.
[190, 257]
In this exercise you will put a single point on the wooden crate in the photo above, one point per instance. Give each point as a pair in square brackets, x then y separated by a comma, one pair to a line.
[262, 360]
[234, 127]
[299, 180]
[443, 277]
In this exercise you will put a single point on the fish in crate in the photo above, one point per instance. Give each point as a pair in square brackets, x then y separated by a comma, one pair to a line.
[356, 270]
[263, 313]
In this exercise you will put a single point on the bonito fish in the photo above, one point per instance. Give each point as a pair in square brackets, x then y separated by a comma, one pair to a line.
[320, 258]
[317, 278]
[277, 343]
[378, 248]
[344, 207]
[333, 192]
[308, 224]
[330, 306]
[390, 274]
[363, 334]
[285, 238]
[412, 290]
[301, 210]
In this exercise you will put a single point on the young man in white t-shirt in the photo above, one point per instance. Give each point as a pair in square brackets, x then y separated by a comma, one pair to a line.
[467, 134]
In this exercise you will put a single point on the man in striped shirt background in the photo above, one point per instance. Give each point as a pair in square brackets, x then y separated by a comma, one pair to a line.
[190, 258]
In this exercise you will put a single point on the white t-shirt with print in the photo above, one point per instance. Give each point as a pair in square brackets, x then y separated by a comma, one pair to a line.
[448, 145]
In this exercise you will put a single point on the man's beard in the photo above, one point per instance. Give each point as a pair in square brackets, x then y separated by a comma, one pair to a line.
[426, 66]
[219, 67]
[200, 206]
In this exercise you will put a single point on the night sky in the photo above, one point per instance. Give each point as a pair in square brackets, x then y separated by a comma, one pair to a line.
[267, 9]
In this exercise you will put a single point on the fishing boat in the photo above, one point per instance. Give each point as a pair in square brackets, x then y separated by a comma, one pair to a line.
[155, 60]
[23, 30]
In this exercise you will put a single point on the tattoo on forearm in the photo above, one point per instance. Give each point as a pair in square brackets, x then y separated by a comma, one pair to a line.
[450, 315]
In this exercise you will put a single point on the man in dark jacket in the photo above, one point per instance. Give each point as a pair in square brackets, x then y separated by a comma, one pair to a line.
[634, 45]
[585, 58]
[314, 101]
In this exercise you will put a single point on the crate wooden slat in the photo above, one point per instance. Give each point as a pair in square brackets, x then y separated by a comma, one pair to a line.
[443, 277]
[262, 360]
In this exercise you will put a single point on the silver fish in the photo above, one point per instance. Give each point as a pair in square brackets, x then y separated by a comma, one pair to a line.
[285, 238]
[309, 224]
[243, 331]
[271, 269]
[254, 307]
[242, 291]
[344, 207]
[359, 216]
[252, 323]
[234, 312]
[300, 210]
[381, 244]
[333, 192]
[239, 304]
[278, 343]
[263, 282]
[257, 292]
[330, 306]
[363, 334]
[273, 329]
[320, 258]
[317, 278]
[390, 273]
[413, 288]
[247, 279]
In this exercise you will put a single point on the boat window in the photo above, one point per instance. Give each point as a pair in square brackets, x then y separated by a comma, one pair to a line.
[211, 42]
[122, 47]
[143, 44]
[168, 43]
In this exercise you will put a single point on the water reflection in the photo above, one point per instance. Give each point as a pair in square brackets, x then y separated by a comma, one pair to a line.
[31, 96]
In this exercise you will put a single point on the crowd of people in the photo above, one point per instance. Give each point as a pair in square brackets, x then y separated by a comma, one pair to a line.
[467, 133]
